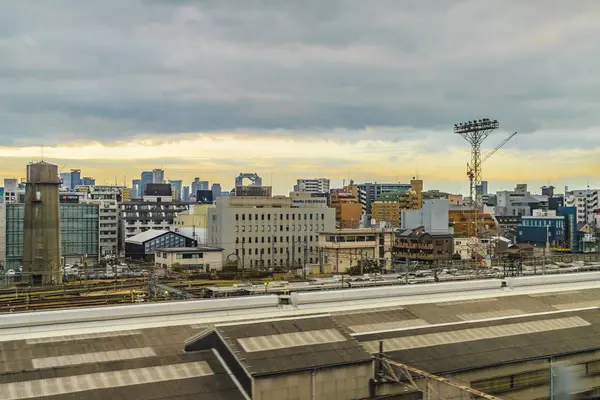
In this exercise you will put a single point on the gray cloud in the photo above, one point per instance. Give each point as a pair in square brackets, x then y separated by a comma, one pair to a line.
[113, 70]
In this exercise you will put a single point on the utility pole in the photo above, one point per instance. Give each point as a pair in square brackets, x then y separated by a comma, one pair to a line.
[320, 253]
[272, 251]
[243, 253]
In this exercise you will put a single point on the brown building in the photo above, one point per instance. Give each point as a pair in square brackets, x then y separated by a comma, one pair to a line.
[389, 207]
[463, 221]
[418, 245]
[348, 210]
[456, 199]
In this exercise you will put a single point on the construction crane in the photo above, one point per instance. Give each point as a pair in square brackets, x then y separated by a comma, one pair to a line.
[471, 173]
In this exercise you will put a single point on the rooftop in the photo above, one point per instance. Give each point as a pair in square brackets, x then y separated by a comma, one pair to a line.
[189, 249]
[150, 234]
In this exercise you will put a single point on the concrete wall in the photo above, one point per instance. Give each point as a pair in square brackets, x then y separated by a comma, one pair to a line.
[336, 383]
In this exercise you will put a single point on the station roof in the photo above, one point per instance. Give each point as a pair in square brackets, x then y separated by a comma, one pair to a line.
[189, 249]
[150, 234]
[127, 364]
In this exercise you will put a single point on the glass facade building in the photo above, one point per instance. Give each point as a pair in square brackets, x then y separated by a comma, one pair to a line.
[79, 228]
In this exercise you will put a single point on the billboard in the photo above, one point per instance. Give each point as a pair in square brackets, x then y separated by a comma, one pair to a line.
[69, 198]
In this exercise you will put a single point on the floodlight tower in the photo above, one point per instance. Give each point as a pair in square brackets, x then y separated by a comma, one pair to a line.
[475, 132]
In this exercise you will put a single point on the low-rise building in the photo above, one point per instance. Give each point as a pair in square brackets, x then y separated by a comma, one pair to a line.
[348, 210]
[389, 207]
[420, 245]
[342, 249]
[202, 259]
[433, 216]
[317, 185]
[462, 221]
[144, 245]
[271, 232]
[586, 201]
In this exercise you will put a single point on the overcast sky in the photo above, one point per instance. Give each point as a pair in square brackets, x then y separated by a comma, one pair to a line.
[368, 90]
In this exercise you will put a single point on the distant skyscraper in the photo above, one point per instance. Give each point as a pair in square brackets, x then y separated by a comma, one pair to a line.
[88, 181]
[197, 184]
[65, 178]
[147, 178]
[186, 193]
[158, 175]
[136, 188]
[216, 190]
[75, 178]
[176, 187]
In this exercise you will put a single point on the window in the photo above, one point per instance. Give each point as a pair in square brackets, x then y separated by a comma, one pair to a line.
[262, 217]
[513, 382]
[256, 217]
[322, 216]
[287, 216]
[243, 217]
[269, 217]
[250, 217]
[237, 217]
[293, 217]
[262, 239]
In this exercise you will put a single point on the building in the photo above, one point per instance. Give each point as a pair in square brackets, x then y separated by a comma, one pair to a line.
[483, 188]
[137, 188]
[186, 193]
[88, 181]
[519, 202]
[2, 237]
[419, 245]
[270, 231]
[147, 178]
[456, 200]
[41, 225]
[348, 210]
[202, 259]
[65, 179]
[556, 230]
[468, 247]
[462, 222]
[586, 202]
[197, 184]
[254, 191]
[195, 217]
[433, 216]
[389, 207]
[12, 192]
[144, 245]
[371, 192]
[79, 234]
[75, 178]
[155, 210]
[107, 198]
[310, 357]
[342, 249]
[177, 189]
[548, 191]
[158, 176]
[316, 185]
[216, 190]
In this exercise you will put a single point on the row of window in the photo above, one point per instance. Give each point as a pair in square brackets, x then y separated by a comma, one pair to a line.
[285, 250]
[281, 262]
[287, 228]
[307, 217]
[268, 240]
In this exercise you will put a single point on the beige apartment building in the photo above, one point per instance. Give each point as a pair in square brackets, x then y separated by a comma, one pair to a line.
[341, 249]
[268, 232]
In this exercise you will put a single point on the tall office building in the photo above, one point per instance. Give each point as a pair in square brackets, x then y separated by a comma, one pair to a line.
[65, 178]
[88, 181]
[41, 243]
[147, 178]
[75, 178]
[136, 188]
[158, 175]
[185, 196]
[371, 192]
[317, 185]
[216, 190]
[197, 184]
[176, 187]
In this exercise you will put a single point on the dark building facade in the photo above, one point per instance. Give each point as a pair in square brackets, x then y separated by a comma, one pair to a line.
[419, 245]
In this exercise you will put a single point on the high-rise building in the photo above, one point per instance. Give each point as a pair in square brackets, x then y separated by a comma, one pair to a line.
[11, 191]
[147, 178]
[197, 184]
[348, 209]
[75, 178]
[136, 188]
[216, 190]
[270, 231]
[176, 186]
[158, 175]
[317, 185]
[389, 207]
[88, 181]
[65, 178]
[586, 201]
[41, 226]
[186, 193]
[371, 192]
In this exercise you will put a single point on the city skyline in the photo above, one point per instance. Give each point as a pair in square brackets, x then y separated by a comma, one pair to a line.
[365, 98]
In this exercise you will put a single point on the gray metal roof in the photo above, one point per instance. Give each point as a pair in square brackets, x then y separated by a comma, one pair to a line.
[189, 249]
[318, 349]
[145, 363]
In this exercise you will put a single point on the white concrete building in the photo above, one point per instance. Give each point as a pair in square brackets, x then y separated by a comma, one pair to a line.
[270, 231]
[107, 197]
[12, 191]
[586, 202]
[203, 258]
[433, 216]
[317, 185]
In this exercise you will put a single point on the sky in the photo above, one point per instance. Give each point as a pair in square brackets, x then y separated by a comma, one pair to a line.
[343, 89]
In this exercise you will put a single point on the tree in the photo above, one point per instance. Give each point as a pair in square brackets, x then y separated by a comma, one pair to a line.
[176, 267]
[367, 266]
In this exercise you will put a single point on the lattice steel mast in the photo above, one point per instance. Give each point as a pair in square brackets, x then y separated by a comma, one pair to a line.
[475, 132]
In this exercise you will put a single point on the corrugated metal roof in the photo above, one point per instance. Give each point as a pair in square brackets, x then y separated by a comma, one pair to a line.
[490, 314]
[286, 340]
[86, 358]
[474, 334]
[80, 383]
[67, 338]
[407, 323]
